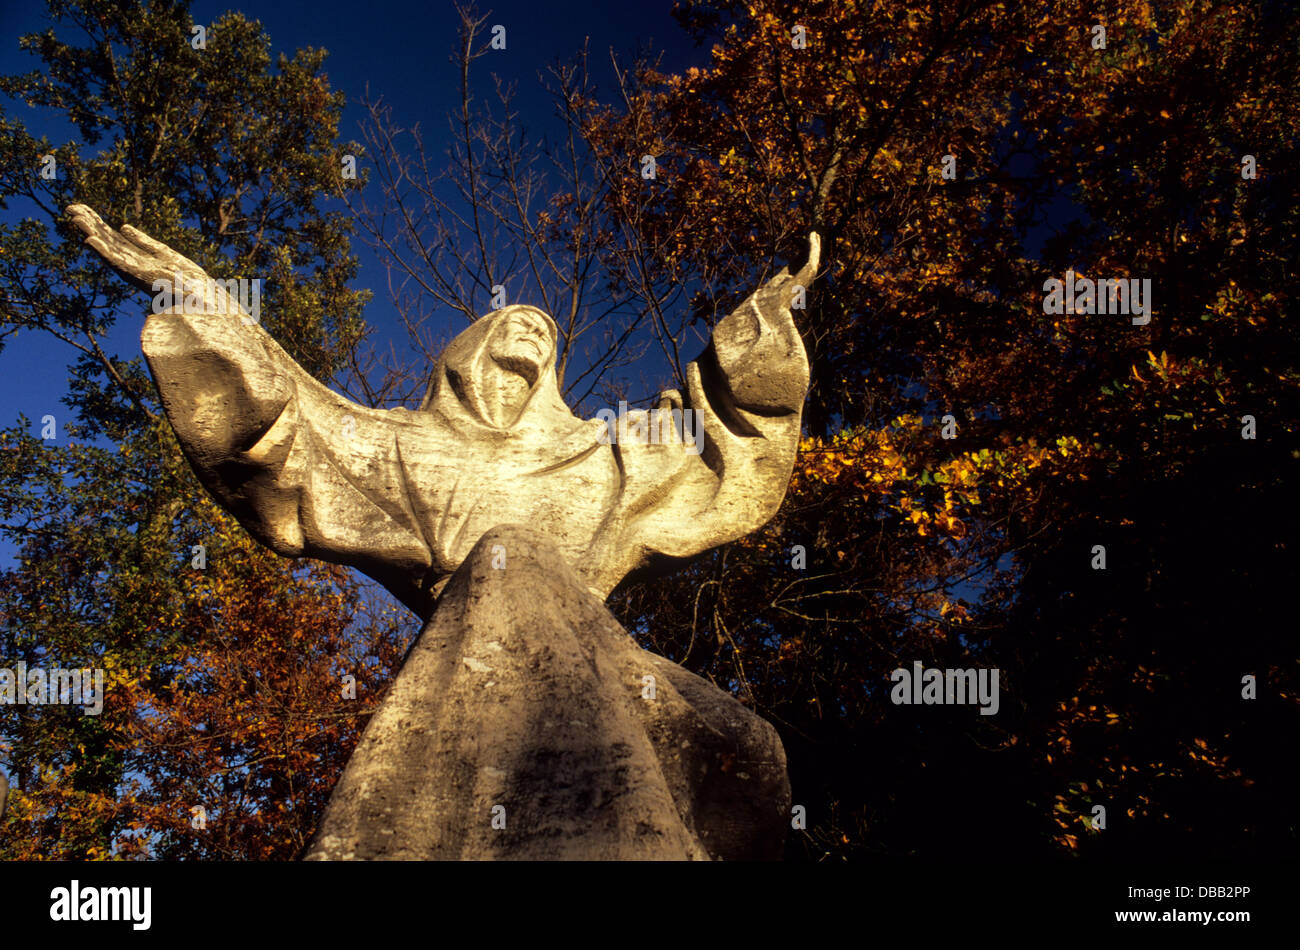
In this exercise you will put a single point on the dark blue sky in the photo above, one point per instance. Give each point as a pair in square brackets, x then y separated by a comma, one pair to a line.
[400, 48]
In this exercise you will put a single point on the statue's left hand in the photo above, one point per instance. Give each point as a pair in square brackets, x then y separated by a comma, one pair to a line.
[134, 254]
[758, 346]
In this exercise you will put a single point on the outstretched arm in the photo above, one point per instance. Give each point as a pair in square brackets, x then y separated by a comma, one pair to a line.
[748, 390]
[305, 471]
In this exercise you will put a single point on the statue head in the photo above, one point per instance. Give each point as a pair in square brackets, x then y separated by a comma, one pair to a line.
[500, 372]
[522, 341]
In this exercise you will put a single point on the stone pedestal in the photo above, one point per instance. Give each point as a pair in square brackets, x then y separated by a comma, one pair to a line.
[522, 727]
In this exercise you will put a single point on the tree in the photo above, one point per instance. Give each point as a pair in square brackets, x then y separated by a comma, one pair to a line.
[223, 662]
[1120, 687]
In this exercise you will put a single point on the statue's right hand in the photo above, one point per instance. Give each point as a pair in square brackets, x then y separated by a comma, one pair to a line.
[135, 255]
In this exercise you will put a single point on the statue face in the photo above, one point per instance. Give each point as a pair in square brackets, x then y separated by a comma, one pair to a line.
[522, 343]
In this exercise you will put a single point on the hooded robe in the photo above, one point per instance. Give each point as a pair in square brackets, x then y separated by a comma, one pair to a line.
[404, 495]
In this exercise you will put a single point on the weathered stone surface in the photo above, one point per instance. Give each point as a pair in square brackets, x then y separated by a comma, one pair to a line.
[524, 692]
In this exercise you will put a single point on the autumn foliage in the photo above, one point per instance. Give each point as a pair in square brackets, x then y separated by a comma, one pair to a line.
[977, 546]
[227, 715]
[966, 454]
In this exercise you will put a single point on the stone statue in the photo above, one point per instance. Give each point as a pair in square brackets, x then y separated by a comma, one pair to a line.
[406, 496]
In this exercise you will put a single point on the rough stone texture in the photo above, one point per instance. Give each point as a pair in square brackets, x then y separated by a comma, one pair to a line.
[524, 691]
[404, 495]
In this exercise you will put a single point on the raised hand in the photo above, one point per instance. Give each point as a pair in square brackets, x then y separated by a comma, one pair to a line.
[758, 346]
[153, 266]
[134, 254]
